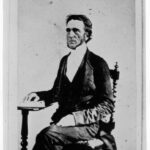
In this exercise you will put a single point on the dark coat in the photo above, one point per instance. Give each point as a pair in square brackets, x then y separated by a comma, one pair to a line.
[88, 97]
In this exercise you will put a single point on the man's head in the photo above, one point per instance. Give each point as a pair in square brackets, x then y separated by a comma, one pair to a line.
[79, 30]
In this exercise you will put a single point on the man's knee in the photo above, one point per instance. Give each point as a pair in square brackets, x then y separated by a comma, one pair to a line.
[47, 133]
[42, 134]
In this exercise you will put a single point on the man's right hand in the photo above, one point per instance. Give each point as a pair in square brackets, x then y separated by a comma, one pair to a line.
[31, 97]
[32, 100]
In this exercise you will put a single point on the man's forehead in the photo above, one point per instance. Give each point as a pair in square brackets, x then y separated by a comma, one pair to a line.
[75, 24]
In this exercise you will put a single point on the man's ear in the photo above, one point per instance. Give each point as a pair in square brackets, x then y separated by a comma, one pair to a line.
[86, 36]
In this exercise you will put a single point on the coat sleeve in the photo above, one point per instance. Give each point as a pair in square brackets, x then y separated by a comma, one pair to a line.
[103, 95]
[51, 96]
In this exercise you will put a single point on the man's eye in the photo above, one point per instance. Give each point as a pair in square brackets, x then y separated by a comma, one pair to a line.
[68, 30]
[75, 30]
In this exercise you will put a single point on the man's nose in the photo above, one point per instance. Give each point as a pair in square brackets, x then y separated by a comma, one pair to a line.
[71, 33]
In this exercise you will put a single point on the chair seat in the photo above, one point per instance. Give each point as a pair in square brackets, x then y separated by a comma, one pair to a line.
[81, 147]
[92, 143]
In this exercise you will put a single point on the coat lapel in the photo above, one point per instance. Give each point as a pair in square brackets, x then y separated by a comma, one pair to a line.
[79, 74]
[83, 71]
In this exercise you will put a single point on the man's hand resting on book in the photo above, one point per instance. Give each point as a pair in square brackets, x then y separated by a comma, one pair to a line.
[32, 100]
[32, 97]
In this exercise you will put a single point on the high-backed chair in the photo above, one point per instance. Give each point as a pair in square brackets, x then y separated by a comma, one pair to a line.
[104, 135]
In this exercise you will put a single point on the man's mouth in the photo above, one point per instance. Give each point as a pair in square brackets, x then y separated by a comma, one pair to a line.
[72, 41]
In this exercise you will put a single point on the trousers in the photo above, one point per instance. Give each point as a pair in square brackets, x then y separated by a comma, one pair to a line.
[57, 137]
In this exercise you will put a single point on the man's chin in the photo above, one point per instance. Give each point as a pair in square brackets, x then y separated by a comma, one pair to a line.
[72, 47]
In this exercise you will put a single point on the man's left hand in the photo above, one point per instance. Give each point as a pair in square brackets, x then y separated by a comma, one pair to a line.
[67, 121]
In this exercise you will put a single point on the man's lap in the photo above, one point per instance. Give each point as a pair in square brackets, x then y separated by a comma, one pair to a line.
[71, 133]
[58, 137]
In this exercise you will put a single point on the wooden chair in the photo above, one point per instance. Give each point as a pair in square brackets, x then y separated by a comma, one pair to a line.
[107, 138]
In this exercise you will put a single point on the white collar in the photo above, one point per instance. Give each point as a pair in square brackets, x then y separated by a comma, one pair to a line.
[79, 51]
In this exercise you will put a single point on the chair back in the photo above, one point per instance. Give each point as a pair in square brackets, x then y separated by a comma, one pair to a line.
[114, 74]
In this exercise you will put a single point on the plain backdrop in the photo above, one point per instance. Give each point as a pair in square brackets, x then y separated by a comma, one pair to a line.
[40, 33]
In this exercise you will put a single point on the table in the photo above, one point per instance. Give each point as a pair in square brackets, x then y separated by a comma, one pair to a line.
[24, 129]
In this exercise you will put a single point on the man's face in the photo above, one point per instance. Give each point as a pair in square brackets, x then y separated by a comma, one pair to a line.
[76, 35]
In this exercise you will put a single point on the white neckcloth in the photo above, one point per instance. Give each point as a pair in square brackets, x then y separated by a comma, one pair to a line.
[74, 61]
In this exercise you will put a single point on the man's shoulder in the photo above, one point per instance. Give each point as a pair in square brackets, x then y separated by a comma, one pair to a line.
[64, 57]
[96, 59]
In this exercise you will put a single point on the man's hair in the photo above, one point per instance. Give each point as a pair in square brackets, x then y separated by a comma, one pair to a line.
[87, 23]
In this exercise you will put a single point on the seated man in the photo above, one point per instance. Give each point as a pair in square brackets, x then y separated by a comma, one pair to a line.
[83, 91]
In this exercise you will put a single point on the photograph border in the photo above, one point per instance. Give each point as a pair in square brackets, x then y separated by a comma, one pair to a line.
[10, 69]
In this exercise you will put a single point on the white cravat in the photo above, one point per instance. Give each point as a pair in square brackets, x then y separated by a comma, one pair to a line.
[74, 61]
